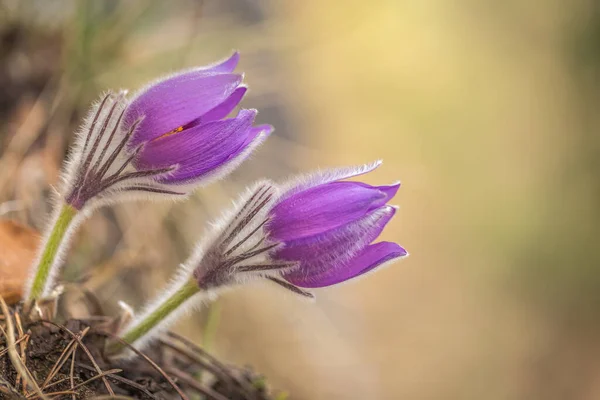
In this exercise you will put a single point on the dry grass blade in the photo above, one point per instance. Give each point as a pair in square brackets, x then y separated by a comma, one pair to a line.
[22, 345]
[126, 381]
[93, 378]
[71, 347]
[87, 352]
[62, 392]
[248, 390]
[192, 382]
[22, 338]
[30, 395]
[58, 364]
[13, 353]
[115, 397]
[198, 349]
[71, 371]
[8, 391]
[218, 372]
[149, 361]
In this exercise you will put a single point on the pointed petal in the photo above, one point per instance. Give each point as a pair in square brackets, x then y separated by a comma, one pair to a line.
[177, 101]
[371, 257]
[254, 138]
[223, 109]
[326, 176]
[317, 253]
[322, 208]
[264, 128]
[389, 191]
[203, 149]
[225, 66]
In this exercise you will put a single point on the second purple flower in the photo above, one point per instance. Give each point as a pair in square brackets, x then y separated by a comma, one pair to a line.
[315, 231]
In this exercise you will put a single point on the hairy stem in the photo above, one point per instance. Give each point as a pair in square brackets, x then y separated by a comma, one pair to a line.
[154, 317]
[48, 258]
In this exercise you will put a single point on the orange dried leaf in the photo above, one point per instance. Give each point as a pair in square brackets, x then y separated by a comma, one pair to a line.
[18, 244]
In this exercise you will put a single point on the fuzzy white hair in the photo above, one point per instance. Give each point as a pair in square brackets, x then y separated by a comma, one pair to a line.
[239, 240]
[194, 302]
[100, 171]
[300, 183]
[236, 248]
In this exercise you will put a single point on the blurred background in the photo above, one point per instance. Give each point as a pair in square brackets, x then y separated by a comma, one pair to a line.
[486, 111]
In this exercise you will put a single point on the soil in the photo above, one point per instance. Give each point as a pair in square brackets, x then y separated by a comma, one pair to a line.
[173, 368]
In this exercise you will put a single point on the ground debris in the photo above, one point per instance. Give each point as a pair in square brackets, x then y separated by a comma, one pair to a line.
[68, 362]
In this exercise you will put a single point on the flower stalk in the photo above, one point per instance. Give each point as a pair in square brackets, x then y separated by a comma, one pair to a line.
[156, 314]
[50, 252]
[316, 231]
[171, 137]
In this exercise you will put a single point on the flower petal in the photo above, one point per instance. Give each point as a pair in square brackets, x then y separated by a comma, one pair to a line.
[176, 101]
[254, 138]
[371, 257]
[325, 176]
[223, 109]
[202, 149]
[225, 66]
[318, 252]
[389, 191]
[322, 208]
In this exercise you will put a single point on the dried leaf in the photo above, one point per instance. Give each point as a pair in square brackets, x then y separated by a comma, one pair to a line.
[18, 244]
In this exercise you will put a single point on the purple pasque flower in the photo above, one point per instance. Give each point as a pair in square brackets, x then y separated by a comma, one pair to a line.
[183, 123]
[314, 232]
[168, 138]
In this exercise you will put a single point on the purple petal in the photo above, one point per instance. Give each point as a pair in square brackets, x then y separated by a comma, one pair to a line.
[223, 109]
[264, 128]
[254, 138]
[225, 66]
[389, 191]
[326, 176]
[316, 253]
[323, 208]
[370, 258]
[202, 149]
[176, 101]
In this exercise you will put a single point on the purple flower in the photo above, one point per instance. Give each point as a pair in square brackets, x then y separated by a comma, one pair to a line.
[311, 233]
[170, 137]
[183, 123]
[328, 230]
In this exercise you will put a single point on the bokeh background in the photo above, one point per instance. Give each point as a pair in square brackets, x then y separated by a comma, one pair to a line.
[486, 111]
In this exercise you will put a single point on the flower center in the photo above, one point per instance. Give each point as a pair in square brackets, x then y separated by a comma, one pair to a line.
[181, 128]
[164, 135]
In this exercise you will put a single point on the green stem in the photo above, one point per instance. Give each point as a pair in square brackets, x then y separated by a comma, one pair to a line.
[186, 291]
[210, 327]
[67, 213]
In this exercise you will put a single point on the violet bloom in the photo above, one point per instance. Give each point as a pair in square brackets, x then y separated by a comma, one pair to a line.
[170, 137]
[167, 139]
[312, 233]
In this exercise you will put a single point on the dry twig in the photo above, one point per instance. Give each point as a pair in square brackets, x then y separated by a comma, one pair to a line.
[87, 352]
[149, 361]
[14, 354]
